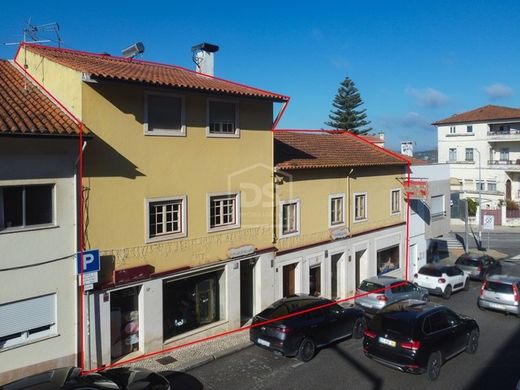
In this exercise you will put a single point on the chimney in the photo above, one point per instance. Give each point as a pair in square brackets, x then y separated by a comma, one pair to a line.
[203, 56]
[382, 135]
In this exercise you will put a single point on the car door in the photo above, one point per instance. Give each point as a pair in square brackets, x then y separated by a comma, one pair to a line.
[458, 277]
[316, 326]
[333, 326]
[439, 333]
[458, 333]
[398, 291]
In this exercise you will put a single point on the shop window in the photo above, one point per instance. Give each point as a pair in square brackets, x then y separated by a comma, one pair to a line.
[190, 303]
[387, 259]
[124, 321]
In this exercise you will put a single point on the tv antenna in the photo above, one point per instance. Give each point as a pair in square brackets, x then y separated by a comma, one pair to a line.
[40, 34]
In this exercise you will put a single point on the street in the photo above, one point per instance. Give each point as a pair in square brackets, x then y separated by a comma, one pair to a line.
[343, 365]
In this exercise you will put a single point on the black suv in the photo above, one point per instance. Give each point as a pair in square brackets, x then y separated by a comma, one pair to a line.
[316, 322]
[418, 337]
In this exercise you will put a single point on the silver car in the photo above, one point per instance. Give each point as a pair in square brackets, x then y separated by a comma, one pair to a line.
[375, 293]
[502, 293]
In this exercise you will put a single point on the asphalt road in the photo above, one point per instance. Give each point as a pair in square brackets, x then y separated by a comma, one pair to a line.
[344, 366]
[504, 242]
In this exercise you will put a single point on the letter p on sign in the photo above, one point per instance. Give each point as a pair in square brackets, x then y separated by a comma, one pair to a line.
[91, 261]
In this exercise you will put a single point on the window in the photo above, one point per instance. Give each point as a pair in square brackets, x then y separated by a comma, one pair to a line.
[336, 210]
[492, 186]
[387, 259]
[164, 115]
[224, 211]
[190, 303]
[480, 185]
[24, 321]
[452, 154]
[504, 154]
[437, 206]
[290, 218]
[452, 129]
[26, 206]
[396, 201]
[469, 154]
[222, 118]
[469, 129]
[360, 201]
[166, 218]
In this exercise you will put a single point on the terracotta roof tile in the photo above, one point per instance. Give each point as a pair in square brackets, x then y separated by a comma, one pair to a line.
[485, 113]
[25, 110]
[103, 66]
[295, 150]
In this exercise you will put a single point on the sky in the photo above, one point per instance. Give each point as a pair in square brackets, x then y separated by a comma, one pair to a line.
[413, 62]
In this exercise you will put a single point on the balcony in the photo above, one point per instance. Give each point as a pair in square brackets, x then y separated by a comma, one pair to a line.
[507, 165]
[504, 135]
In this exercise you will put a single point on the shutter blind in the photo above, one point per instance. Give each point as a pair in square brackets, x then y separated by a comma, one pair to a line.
[28, 314]
[437, 205]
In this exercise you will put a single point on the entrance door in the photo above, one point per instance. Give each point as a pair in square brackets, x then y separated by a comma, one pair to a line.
[361, 271]
[508, 189]
[246, 290]
[289, 274]
[334, 275]
[315, 280]
[124, 321]
[414, 266]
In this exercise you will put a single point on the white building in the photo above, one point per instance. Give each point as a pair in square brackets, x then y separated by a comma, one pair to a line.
[482, 147]
[38, 152]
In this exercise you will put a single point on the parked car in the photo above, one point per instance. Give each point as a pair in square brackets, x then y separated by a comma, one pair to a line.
[386, 290]
[441, 279]
[478, 266]
[301, 334]
[70, 378]
[418, 337]
[502, 293]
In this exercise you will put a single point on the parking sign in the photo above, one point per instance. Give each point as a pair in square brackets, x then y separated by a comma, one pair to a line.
[91, 261]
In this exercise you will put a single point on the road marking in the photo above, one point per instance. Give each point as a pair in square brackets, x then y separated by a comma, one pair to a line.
[517, 257]
[297, 364]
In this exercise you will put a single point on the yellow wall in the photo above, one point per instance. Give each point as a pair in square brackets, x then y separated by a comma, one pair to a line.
[313, 187]
[123, 167]
[63, 83]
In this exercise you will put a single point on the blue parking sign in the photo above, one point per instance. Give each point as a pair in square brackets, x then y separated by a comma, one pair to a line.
[91, 261]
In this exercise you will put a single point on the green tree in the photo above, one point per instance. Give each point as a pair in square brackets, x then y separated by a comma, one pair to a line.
[345, 115]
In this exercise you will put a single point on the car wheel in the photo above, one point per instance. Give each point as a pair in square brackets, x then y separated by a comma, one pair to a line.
[447, 292]
[359, 328]
[472, 346]
[466, 285]
[433, 369]
[306, 350]
[425, 298]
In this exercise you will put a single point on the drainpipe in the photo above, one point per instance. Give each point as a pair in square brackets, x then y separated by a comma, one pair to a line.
[349, 199]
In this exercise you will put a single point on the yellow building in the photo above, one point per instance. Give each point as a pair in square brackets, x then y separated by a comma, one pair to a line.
[340, 213]
[178, 185]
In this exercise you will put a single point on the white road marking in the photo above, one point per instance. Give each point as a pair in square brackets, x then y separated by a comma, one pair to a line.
[517, 257]
[297, 364]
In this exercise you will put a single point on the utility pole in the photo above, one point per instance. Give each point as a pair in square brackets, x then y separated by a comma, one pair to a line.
[466, 217]
[479, 200]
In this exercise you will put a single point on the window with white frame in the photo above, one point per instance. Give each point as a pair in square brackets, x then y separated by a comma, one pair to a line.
[24, 321]
[360, 207]
[469, 154]
[290, 215]
[26, 206]
[336, 210]
[222, 118]
[452, 154]
[396, 201]
[504, 154]
[224, 211]
[492, 186]
[166, 218]
[469, 129]
[480, 185]
[437, 206]
[452, 129]
[164, 115]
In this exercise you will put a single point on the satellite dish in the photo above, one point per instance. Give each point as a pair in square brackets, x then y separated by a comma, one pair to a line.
[133, 50]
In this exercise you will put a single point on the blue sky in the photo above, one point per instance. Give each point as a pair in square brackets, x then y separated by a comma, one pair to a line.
[413, 61]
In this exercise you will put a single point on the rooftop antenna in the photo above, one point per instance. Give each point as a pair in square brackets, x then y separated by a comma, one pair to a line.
[33, 34]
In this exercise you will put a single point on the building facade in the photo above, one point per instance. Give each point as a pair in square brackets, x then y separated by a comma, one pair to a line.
[178, 198]
[482, 147]
[38, 171]
[340, 213]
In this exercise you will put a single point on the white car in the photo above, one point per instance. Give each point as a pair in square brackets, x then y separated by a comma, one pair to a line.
[442, 279]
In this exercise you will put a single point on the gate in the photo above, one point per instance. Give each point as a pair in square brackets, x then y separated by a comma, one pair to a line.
[496, 213]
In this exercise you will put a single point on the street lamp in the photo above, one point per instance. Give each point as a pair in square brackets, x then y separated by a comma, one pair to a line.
[479, 200]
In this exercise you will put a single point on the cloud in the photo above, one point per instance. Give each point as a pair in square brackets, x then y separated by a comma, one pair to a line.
[411, 120]
[498, 91]
[428, 97]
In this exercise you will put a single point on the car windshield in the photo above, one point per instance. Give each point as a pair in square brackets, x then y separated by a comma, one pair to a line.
[497, 287]
[369, 286]
[429, 271]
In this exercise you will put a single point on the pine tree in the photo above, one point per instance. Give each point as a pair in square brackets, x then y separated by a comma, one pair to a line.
[345, 116]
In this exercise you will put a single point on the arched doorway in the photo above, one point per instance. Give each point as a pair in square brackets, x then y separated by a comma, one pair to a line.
[508, 189]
